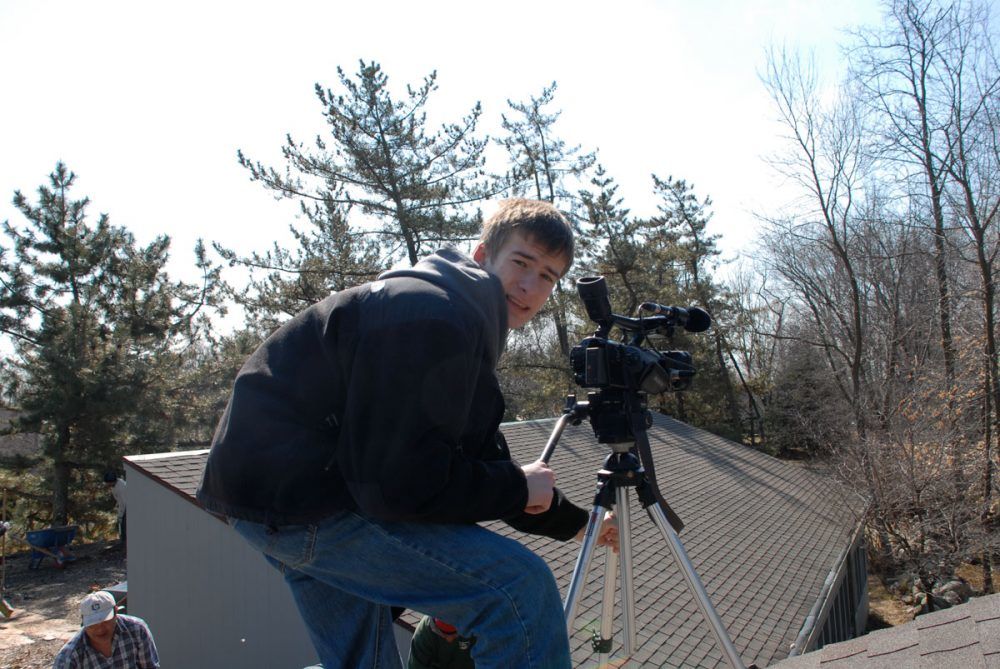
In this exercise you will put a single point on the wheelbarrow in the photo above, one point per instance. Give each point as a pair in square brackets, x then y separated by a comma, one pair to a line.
[52, 542]
[120, 592]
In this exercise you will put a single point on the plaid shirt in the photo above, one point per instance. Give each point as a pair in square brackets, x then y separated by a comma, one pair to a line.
[132, 647]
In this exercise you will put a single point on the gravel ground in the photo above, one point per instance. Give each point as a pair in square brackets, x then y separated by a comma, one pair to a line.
[46, 601]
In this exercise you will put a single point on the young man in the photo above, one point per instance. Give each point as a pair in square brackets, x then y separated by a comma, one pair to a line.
[360, 447]
[108, 639]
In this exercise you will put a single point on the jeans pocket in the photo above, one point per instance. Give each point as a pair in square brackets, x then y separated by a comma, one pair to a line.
[294, 545]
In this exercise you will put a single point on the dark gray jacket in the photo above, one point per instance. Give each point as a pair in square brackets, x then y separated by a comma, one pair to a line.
[383, 399]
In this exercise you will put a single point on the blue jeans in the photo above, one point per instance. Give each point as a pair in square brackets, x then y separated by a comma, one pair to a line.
[347, 571]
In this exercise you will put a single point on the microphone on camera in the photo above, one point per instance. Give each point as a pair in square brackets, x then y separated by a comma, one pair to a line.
[692, 319]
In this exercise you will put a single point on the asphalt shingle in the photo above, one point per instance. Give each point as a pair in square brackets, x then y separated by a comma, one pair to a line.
[966, 636]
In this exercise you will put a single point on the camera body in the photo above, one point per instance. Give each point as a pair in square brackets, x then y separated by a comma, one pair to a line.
[599, 363]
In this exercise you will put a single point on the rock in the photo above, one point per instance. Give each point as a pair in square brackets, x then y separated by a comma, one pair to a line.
[903, 585]
[935, 603]
[955, 591]
[952, 597]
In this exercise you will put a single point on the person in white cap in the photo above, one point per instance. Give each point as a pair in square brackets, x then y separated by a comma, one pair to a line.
[108, 640]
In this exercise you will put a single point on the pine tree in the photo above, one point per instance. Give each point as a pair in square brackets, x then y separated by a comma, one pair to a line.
[99, 334]
[329, 256]
[542, 165]
[381, 161]
[612, 243]
[681, 236]
[542, 161]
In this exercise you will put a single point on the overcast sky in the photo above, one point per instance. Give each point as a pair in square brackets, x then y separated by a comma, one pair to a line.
[149, 102]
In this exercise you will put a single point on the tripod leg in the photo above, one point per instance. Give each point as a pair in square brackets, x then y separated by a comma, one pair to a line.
[694, 584]
[582, 567]
[603, 644]
[628, 591]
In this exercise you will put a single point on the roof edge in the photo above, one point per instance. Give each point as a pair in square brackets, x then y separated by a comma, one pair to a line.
[821, 608]
[141, 457]
[135, 462]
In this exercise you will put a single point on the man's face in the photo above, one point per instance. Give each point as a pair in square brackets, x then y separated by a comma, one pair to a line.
[100, 633]
[528, 273]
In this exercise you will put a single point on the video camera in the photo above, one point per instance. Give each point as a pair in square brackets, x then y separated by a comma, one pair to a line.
[598, 362]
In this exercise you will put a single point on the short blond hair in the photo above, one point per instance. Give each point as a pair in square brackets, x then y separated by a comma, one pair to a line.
[536, 219]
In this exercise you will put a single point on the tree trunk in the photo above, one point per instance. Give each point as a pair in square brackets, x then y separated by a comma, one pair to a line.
[727, 384]
[681, 409]
[61, 469]
[993, 391]
[559, 318]
[60, 492]
[944, 306]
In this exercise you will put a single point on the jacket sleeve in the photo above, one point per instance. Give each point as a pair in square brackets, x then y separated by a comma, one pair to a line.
[562, 520]
[409, 398]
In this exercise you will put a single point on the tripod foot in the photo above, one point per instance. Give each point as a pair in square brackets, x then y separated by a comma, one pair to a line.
[602, 646]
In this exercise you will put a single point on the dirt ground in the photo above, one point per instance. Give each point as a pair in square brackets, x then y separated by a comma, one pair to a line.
[46, 602]
[884, 610]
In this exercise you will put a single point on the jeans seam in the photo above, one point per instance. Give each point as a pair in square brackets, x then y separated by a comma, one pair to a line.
[310, 548]
[376, 656]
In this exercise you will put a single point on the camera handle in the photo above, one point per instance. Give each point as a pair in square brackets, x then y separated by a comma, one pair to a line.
[623, 470]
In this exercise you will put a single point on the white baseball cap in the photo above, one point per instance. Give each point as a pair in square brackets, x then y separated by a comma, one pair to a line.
[97, 607]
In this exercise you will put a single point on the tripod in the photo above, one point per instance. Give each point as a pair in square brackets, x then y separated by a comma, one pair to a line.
[613, 418]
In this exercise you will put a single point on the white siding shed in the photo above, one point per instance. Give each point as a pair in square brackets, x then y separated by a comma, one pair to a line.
[209, 599]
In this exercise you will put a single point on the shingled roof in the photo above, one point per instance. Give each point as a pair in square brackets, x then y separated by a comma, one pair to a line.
[965, 636]
[763, 535]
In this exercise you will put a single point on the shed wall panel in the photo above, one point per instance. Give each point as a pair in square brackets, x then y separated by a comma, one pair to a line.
[209, 599]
